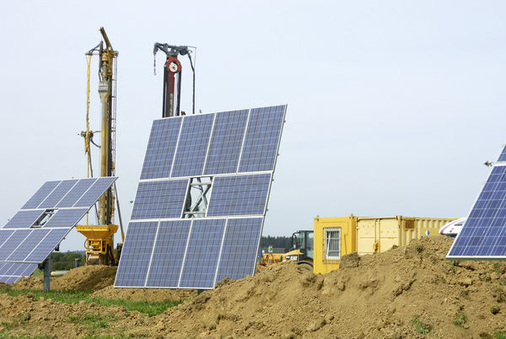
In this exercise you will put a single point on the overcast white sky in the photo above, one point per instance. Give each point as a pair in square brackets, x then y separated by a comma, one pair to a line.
[393, 106]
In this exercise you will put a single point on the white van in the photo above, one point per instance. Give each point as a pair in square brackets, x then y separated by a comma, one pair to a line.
[453, 228]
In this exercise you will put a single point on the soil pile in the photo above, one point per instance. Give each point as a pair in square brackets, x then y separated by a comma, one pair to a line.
[410, 292]
[406, 292]
[84, 278]
[147, 294]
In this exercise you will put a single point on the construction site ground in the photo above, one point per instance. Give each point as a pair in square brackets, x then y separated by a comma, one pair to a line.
[406, 292]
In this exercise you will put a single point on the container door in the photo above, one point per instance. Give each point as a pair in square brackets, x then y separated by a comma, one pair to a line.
[389, 233]
[366, 236]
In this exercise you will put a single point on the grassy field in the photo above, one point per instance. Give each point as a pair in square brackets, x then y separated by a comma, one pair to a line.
[74, 297]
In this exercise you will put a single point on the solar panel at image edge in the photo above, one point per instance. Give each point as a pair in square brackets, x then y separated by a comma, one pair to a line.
[23, 247]
[484, 233]
[225, 144]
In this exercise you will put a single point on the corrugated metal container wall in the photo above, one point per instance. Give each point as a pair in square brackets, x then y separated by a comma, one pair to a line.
[381, 234]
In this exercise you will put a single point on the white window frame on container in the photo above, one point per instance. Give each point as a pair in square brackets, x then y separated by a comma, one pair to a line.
[333, 243]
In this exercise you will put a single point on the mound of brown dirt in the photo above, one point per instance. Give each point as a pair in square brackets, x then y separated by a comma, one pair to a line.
[404, 292]
[23, 316]
[407, 292]
[84, 278]
[28, 283]
[148, 294]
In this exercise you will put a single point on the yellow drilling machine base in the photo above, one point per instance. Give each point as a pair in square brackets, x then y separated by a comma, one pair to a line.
[100, 244]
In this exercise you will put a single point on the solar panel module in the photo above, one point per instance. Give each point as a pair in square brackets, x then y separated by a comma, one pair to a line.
[202, 198]
[484, 233]
[44, 221]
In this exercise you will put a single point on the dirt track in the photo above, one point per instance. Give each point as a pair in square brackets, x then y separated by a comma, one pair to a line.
[398, 294]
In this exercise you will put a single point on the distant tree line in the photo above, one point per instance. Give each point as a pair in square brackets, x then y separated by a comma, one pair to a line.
[276, 242]
[63, 261]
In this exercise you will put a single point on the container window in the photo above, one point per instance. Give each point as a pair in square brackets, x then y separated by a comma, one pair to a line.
[333, 243]
[409, 224]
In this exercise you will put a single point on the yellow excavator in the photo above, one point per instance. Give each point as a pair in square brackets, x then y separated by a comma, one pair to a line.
[302, 250]
[100, 237]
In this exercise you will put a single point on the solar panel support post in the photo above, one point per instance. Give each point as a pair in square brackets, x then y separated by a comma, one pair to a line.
[48, 266]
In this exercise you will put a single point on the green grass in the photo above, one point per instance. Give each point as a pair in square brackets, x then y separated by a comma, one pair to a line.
[461, 320]
[92, 321]
[421, 327]
[150, 308]
[499, 335]
[38, 273]
[453, 266]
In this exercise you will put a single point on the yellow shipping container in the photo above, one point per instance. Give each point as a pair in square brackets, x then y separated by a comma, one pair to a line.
[333, 238]
[338, 236]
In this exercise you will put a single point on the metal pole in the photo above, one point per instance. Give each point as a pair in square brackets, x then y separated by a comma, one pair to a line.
[48, 266]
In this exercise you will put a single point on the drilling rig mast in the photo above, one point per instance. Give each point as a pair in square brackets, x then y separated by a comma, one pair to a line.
[100, 238]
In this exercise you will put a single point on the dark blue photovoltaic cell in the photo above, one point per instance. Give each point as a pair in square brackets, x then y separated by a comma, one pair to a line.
[202, 255]
[58, 193]
[96, 190]
[76, 192]
[4, 235]
[160, 199]
[161, 148]
[9, 279]
[484, 233]
[28, 244]
[12, 272]
[262, 139]
[47, 245]
[168, 255]
[24, 219]
[192, 147]
[239, 195]
[40, 195]
[136, 254]
[23, 269]
[240, 248]
[66, 218]
[226, 142]
[502, 157]
[12, 243]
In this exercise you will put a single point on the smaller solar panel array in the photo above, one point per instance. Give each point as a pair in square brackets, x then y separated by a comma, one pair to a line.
[235, 153]
[484, 233]
[35, 231]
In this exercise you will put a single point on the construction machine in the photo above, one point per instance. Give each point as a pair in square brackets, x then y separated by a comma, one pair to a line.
[172, 75]
[302, 250]
[100, 237]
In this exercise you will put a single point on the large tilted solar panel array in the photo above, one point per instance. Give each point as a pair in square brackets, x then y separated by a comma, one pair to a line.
[238, 150]
[35, 231]
[484, 233]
